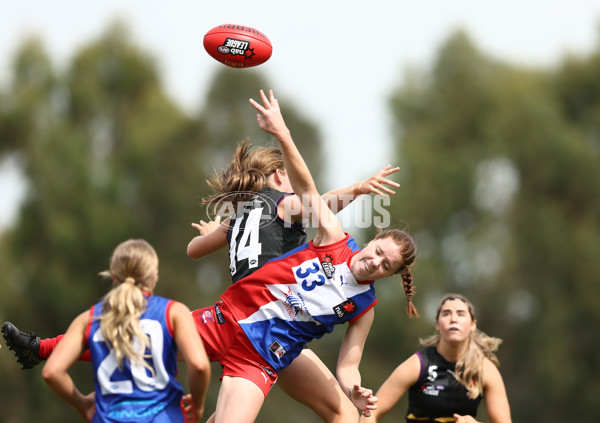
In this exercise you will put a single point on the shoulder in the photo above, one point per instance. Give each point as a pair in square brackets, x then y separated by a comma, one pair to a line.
[491, 374]
[178, 308]
[428, 353]
[337, 240]
[83, 317]
[488, 364]
[81, 322]
[414, 362]
[177, 312]
[409, 371]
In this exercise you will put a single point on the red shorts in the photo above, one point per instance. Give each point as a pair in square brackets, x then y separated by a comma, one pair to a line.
[226, 342]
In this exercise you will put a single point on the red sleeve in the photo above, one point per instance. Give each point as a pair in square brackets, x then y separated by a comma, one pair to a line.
[89, 326]
[167, 313]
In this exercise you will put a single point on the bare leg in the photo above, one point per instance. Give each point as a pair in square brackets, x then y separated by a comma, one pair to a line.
[309, 381]
[239, 401]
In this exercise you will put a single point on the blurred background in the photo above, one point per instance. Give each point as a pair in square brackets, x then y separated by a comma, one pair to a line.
[112, 116]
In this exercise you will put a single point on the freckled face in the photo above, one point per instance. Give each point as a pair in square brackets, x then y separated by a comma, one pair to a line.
[454, 322]
[379, 259]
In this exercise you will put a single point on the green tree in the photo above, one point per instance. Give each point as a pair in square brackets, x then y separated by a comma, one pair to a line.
[499, 188]
[108, 156]
[100, 147]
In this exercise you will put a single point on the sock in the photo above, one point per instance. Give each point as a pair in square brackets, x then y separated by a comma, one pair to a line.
[47, 346]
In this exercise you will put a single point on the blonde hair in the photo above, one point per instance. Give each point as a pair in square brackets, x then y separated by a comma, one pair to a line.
[469, 367]
[134, 268]
[246, 174]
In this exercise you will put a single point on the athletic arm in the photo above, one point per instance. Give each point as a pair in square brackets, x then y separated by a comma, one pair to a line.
[291, 210]
[496, 401]
[213, 236]
[395, 387]
[347, 370]
[338, 199]
[271, 121]
[55, 371]
[191, 349]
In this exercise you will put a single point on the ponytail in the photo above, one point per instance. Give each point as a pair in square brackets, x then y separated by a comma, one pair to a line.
[246, 174]
[134, 268]
[120, 322]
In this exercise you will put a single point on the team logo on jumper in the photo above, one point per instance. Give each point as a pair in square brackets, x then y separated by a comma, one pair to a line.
[292, 304]
[277, 349]
[432, 390]
[237, 48]
[347, 307]
[328, 266]
[207, 317]
[259, 207]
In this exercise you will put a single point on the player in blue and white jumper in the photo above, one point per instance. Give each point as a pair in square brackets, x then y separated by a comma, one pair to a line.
[268, 223]
[263, 321]
[134, 339]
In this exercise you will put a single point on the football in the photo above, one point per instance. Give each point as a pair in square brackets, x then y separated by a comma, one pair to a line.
[238, 46]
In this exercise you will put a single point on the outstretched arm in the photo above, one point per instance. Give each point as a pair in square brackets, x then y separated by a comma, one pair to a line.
[291, 209]
[213, 236]
[338, 199]
[270, 120]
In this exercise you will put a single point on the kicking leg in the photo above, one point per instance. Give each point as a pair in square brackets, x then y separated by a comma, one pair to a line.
[29, 349]
[26, 346]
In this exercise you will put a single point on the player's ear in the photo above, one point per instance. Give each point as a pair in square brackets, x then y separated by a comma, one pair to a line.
[279, 175]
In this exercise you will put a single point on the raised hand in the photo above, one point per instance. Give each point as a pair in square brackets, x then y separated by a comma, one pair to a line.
[207, 227]
[269, 116]
[376, 183]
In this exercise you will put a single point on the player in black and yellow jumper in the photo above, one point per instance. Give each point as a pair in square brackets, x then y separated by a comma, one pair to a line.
[448, 378]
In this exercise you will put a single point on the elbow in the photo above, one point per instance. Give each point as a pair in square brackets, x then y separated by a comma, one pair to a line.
[204, 367]
[191, 251]
[201, 365]
[48, 374]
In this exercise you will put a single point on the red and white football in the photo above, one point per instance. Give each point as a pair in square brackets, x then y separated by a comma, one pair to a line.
[238, 46]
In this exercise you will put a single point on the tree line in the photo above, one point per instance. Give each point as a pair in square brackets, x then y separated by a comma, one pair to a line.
[500, 177]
